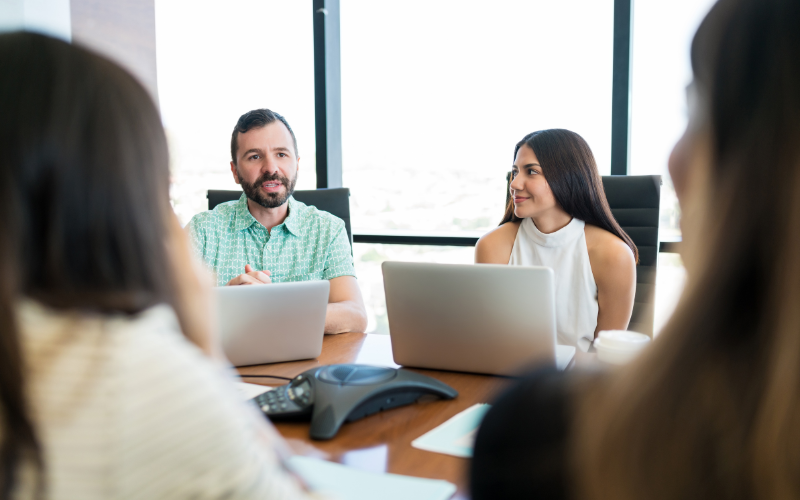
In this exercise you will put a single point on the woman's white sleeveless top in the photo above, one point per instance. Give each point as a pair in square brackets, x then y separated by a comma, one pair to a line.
[563, 251]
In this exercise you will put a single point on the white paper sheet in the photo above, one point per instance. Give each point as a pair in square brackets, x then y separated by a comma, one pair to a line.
[249, 391]
[456, 436]
[346, 483]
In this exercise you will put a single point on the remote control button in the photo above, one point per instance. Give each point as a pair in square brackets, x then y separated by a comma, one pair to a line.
[283, 406]
[265, 408]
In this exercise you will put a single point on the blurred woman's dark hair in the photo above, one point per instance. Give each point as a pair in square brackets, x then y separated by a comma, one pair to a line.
[713, 410]
[84, 204]
[571, 172]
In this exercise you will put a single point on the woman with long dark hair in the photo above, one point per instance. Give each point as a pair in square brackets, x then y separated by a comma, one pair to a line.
[711, 409]
[110, 384]
[558, 216]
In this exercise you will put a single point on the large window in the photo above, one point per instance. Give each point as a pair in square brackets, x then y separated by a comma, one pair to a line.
[436, 94]
[369, 258]
[434, 97]
[661, 69]
[217, 60]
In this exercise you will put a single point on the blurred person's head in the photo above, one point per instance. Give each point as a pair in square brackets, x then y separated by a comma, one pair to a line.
[555, 171]
[264, 158]
[84, 202]
[712, 409]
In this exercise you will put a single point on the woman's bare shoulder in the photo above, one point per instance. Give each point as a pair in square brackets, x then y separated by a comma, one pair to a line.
[607, 249]
[495, 246]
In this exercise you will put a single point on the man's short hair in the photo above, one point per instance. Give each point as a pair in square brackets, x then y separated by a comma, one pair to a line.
[256, 119]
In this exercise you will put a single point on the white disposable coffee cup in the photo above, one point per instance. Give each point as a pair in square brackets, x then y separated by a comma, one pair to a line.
[617, 347]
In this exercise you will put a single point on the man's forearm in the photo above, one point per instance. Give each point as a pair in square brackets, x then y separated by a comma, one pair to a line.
[347, 316]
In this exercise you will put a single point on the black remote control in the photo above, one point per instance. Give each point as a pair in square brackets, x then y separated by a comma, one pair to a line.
[295, 398]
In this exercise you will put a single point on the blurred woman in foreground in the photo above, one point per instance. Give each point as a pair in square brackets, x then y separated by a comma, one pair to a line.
[711, 410]
[108, 384]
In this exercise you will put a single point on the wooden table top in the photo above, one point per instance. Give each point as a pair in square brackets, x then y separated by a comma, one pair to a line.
[382, 442]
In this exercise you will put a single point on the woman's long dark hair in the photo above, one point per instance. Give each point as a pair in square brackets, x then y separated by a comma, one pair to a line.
[84, 200]
[571, 173]
[713, 409]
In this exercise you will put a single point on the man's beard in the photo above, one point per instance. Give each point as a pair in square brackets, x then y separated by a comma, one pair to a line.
[269, 200]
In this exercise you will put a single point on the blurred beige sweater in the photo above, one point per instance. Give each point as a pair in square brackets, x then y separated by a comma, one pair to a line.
[127, 408]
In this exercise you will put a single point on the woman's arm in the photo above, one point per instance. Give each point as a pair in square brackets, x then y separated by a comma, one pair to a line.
[495, 246]
[614, 270]
[193, 300]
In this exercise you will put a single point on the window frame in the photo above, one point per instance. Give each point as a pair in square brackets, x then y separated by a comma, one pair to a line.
[328, 113]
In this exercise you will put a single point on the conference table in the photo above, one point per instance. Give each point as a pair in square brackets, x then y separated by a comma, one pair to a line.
[382, 442]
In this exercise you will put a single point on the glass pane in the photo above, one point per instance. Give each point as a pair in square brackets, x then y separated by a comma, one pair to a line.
[436, 94]
[368, 259]
[217, 61]
[661, 70]
[670, 279]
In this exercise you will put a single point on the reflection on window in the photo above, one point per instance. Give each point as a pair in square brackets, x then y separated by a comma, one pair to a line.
[217, 61]
[436, 94]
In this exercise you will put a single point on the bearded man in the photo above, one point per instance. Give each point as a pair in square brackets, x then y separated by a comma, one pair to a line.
[269, 237]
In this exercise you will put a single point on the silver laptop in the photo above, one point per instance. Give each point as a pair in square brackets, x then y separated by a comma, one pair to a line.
[272, 323]
[474, 318]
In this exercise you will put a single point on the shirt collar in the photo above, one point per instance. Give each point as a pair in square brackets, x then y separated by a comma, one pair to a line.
[244, 219]
[292, 221]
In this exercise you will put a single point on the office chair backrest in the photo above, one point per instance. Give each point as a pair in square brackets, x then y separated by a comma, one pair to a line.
[634, 202]
[333, 200]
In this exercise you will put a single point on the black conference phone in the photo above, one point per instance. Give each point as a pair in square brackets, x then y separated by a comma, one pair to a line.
[335, 394]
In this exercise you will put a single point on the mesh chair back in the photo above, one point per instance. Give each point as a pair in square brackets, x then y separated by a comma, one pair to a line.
[334, 200]
[634, 202]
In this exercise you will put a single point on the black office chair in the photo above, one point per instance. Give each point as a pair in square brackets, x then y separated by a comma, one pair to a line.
[634, 202]
[333, 200]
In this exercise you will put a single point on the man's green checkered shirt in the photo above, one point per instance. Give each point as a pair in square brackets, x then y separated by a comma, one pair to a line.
[308, 245]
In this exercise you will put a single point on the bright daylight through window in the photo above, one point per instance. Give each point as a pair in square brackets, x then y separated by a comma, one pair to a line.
[434, 97]
[436, 94]
[218, 60]
[661, 70]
